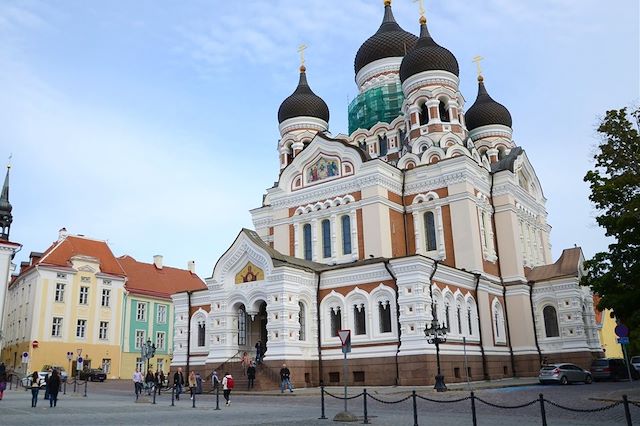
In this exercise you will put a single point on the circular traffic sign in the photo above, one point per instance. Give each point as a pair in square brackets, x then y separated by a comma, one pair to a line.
[80, 360]
[25, 354]
[621, 330]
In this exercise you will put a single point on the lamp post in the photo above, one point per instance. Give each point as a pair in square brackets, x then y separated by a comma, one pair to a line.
[436, 334]
[147, 351]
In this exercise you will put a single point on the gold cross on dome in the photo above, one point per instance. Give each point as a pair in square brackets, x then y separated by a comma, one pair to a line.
[477, 60]
[301, 50]
[421, 4]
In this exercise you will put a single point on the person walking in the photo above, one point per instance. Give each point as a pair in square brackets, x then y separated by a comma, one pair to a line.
[35, 388]
[245, 361]
[46, 383]
[3, 383]
[193, 383]
[251, 375]
[259, 352]
[54, 388]
[178, 382]
[149, 381]
[285, 379]
[137, 382]
[198, 383]
[215, 380]
[227, 387]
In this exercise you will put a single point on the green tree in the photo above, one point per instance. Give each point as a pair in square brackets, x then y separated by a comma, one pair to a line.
[615, 192]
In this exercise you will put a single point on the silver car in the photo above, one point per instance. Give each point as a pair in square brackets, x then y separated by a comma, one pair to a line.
[563, 373]
[635, 361]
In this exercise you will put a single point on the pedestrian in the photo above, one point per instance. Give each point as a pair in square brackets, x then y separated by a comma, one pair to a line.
[149, 380]
[227, 387]
[161, 382]
[285, 379]
[192, 383]
[178, 382]
[35, 388]
[251, 375]
[259, 352]
[3, 369]
[215, 380]
[54, 388]
[137, 382]
[198, 383]
[3, 383]
[46, 383]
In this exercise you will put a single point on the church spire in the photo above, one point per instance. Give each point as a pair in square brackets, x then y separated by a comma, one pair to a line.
[5, 208]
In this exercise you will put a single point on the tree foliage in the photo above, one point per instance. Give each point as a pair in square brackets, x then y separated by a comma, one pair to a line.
[615, 192]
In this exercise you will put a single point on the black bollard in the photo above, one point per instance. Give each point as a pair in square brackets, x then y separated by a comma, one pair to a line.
[85, 388]
[75, 382]
[154, 395]
[542, 412]
[11, 384]
[322, 417]
[64, 388]
[173, 395]
[473, 409]
[366, 414]
[193, 398]
[218, 397]
[627, 414]
[415, 408]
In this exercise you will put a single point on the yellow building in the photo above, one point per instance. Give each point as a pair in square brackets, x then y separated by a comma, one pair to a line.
[606, 323]
[66, 302]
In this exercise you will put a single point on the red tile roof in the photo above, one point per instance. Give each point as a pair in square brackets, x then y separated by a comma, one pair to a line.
[60, 254]
[145, 278]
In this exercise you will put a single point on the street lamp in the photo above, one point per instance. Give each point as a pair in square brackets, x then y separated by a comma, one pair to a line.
[147, 351]
[437, 334]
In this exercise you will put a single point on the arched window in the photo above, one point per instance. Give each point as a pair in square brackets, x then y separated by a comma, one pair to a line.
[326, 238]
[201, 333]
[346, 234]
[306, 236]
[444, 112]
[469, 321]
[242, 326]
[359, 316]
[447, 315]
[384, 310]
[302, 321]
[424, 114]
[430, 230]
[498, 323]
[336, 321]
[459, 318]
[550, 321]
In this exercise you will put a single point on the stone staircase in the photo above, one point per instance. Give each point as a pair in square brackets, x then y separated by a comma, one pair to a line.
[266, 379]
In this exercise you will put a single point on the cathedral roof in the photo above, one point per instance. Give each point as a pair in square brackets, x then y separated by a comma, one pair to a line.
[303, 102]
[427, 55]
[389, 41]
[567, 265]
[485, 111]
[507, 162]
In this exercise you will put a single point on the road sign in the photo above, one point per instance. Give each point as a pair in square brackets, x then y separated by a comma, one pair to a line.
[25, 357]
[345, 338]
[623, 340]
[621, 330]
[79, 362]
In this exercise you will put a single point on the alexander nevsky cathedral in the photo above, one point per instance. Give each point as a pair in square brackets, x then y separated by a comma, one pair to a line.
[427, 210]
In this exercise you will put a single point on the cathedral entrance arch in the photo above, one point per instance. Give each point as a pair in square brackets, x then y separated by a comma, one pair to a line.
[251, 326]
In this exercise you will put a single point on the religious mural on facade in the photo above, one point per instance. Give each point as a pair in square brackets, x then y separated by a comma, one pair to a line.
[322, 169]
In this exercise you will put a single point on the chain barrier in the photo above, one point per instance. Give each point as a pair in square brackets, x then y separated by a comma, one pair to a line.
[342, 397]
[636, 404]
[507, 407]
[443, 401]
[583, 410]
[388, 402]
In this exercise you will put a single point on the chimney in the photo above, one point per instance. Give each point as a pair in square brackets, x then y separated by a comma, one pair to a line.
[62, 234]
[191, 266]
[157, 260]
[34, 257]
[23, 266]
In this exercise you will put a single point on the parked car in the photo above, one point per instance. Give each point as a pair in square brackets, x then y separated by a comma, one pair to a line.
[27, 380]
[611, 369]
[93, 375]
[635, 361]
[61, 370]
[563, 373]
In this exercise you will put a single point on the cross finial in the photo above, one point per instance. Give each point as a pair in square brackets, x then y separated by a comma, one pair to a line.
[9, 162]
[477, 60]
[301, 50]
[421, 4]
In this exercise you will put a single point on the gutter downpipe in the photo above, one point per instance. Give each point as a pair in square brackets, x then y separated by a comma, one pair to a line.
[188, 331]
[404, 215]
[485, 371]
[533, 318]
[395, 281]
[320, 369]
[504, 289]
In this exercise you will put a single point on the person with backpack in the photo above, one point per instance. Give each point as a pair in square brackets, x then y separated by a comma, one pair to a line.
[227, 387]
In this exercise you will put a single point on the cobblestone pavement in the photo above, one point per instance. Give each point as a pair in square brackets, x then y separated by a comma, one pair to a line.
[113, 404]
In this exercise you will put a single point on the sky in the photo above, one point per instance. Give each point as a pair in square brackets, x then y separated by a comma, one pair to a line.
[153, 124]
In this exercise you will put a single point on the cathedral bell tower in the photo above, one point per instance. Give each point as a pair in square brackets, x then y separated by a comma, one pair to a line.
[5, 209]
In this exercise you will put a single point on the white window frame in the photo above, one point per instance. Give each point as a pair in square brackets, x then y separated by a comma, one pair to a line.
[138, 342]
[83, 298]
[56, 327]
[59, 293]
[497, 321]
[141, 311]
[81, 328]
[105, 299]
[160, 346]
[161, 317]
[103, 330]
[423, 203]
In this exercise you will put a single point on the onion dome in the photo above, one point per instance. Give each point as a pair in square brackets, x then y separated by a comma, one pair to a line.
[303, 102]
[427, 55]
[389, 41]
[485, 111]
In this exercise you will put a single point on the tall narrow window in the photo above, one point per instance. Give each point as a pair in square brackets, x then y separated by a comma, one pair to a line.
[162, 314]
[302, 321]
[459, 318]
[326, 238]
[447, 315]
[336, 321]
[242, 326]
[384, 311]
[59, 292]
[496, 323]
[306, 237]
[359, 316]
[201, 333]
[430, 230]
[346, 234]
[84, 295]
[550, 321]
[424, 114]
[81, 328]
[56, 329]
[106, 298]
[140, 337]
[141, 312]
[444, 112]
[103, 331]
[469, 321]
[160, 339]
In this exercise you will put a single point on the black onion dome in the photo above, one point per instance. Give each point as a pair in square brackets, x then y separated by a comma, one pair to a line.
[303, 102]
[389, 41]
[427, 56]
[486, 111]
